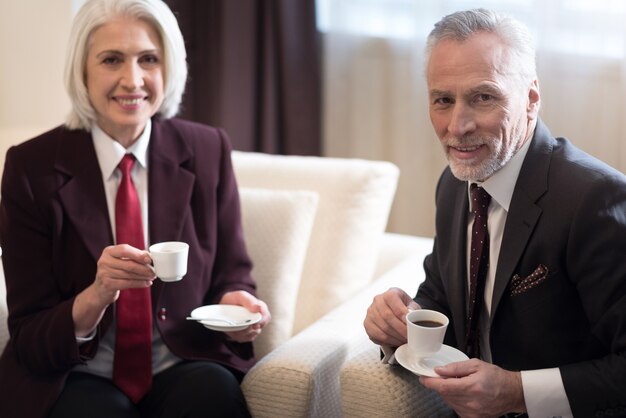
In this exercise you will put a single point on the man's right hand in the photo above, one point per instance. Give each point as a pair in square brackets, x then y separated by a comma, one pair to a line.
[385, 322]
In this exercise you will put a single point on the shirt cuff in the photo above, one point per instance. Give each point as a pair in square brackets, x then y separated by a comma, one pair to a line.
[388, 354]
[82, 340]
[544, 394]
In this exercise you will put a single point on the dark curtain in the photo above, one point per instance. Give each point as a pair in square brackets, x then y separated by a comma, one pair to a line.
[254, 69]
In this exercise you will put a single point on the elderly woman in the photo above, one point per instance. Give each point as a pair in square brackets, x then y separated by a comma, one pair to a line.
[93, 332]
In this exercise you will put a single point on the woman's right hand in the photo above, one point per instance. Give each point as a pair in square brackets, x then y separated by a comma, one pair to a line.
[119, 267]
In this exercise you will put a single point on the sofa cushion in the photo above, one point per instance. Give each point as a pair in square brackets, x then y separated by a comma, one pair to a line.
[355, 198]
[277, 227]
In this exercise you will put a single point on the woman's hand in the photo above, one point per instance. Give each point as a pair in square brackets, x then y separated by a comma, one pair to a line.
[119, 267]
[245, 299]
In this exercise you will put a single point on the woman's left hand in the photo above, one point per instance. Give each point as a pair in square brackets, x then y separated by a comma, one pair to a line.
[245, 299]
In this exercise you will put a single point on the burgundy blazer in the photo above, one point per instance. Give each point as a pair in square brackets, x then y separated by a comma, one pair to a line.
[54, 225]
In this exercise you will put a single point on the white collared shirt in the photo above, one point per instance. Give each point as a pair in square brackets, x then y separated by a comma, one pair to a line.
[544, 393]
[110, 153]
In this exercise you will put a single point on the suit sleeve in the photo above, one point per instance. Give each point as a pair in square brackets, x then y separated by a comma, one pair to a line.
[596, 258]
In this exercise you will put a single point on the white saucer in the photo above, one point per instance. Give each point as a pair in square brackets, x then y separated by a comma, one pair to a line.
[234, 313]
[424, 366]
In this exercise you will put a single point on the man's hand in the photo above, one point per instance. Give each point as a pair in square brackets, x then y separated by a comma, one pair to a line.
[474, 388]
[385, 322]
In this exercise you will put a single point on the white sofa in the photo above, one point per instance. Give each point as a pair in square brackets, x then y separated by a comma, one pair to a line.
[331, 369]
[315, 228]
[348, 260]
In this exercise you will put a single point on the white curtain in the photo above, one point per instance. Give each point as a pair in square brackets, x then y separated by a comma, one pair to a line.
[375, 102]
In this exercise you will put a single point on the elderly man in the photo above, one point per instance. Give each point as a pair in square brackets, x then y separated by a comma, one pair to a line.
[540, 304]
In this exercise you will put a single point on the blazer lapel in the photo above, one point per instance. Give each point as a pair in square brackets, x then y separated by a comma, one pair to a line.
[82, 195]
[170, 187]
[524, 213]
[170, 183]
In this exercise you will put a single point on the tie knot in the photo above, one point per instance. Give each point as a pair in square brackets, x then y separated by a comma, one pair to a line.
[480, 198]
[127, 163]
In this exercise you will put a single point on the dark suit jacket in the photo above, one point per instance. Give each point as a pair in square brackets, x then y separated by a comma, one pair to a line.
[568, 213]
[54, 226]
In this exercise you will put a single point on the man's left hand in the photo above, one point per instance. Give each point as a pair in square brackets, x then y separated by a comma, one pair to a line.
[474, 388]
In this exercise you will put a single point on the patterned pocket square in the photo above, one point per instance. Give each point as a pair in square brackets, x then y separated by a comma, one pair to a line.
[520, 285]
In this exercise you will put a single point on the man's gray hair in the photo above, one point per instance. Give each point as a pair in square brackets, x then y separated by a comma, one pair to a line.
[460, 26]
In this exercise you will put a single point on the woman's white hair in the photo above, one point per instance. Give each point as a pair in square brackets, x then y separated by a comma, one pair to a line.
[95, 13]
[462, 25]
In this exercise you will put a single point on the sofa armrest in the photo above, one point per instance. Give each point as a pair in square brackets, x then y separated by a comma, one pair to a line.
[300, 378]
[370, 388]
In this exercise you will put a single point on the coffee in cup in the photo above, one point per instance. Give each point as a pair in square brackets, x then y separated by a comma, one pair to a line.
[428, 324]
[169, 260]
[425, 331]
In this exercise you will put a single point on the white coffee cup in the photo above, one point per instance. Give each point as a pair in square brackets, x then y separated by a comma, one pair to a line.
[425, 331]
[169, 260]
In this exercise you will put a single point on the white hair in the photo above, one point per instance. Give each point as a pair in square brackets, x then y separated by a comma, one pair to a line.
[95, 13]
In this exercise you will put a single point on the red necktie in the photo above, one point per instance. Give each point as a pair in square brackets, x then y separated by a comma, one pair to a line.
[132, 365]
[479, 265]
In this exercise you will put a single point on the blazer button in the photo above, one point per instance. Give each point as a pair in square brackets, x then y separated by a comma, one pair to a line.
[162, 314]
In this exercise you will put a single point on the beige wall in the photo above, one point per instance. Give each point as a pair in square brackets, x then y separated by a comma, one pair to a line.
[33, 36]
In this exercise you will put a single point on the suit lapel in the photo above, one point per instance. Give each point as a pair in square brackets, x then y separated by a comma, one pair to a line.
[524, 213]
[458, 268]
[82, 195]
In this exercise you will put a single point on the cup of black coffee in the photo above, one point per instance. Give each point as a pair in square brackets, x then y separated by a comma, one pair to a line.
[428, 324]
[425, 331]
